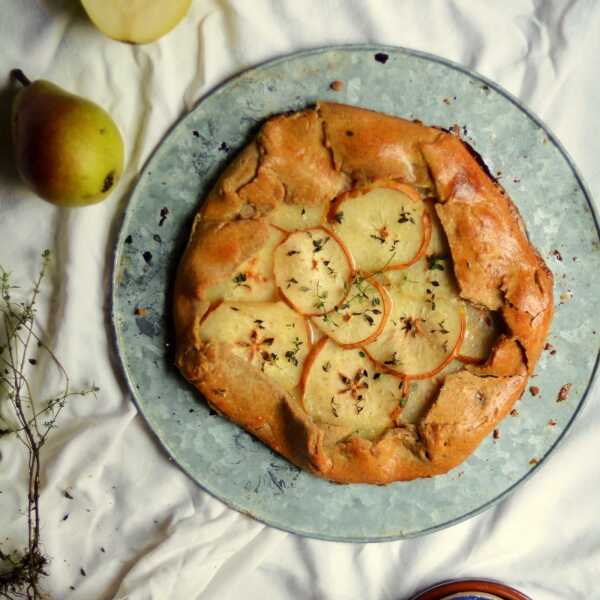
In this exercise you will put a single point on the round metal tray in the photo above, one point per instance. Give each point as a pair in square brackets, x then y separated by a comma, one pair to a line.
[232, 465]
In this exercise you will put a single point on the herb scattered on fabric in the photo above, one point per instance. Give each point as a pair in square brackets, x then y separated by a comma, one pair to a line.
[29, 415]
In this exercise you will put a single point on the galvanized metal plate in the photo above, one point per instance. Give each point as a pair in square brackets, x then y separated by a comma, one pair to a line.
[231, 464]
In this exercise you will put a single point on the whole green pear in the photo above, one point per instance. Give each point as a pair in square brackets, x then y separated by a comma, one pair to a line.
[68, 149]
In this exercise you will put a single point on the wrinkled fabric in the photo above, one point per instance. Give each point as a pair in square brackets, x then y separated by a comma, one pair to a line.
[136, 527]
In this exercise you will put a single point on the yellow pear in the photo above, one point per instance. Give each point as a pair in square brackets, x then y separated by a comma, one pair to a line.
[67, 149]
[136, 21]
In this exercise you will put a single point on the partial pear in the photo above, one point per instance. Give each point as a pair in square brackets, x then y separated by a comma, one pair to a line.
[136, 21]
[68, 150]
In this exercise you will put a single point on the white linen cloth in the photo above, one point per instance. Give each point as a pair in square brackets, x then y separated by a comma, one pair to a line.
[137, 526]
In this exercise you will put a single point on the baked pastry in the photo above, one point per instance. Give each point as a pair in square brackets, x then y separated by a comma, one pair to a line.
[361, 295]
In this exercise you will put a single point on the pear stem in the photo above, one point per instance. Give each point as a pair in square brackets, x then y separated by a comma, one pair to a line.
[18, 75]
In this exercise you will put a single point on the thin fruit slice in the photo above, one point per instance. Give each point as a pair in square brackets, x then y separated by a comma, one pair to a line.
[361, 317]
[136, 21]
[482, 330]
[421, 337]
[269, 335]
[421, 392]
[312, 271]
[438, 244]
[431, 275]
[253, 280]
[344, 387]
[292, 217]
[385, 226]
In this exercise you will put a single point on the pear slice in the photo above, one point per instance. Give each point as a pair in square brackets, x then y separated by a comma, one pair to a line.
[438, 244]
[253, 280]
[384, 226]
[292, 217]
[345, 387]
[361, 317]
[312, 271]
[430, 274]
[481, 333]
[421, 336]
[419, 393]
[136, 21]
[269, 335]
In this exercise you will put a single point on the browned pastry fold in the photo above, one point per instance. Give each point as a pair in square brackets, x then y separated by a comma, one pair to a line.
[214, 250]
[309, 158]
[289, 162]
[367, 145]
[495, 264]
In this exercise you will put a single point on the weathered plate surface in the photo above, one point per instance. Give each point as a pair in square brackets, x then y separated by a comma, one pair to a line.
[225, 460]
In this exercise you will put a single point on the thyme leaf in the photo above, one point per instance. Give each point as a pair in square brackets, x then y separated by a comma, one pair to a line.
[291, 355]
[379, 238]
[240, 280]
[334, 407]
[406, 217]
[319, 243]
[435, 263]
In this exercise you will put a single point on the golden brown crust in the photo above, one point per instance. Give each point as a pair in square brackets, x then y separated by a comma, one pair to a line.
[223, 202]
[309, 158]
[368, 145]
[215, 249]
[465, 412]
[452, 429]
[495, 264]
[237, 390]
[506, 359]
[288, 162]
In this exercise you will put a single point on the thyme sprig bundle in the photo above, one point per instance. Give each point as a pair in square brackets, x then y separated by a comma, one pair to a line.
[29, 417]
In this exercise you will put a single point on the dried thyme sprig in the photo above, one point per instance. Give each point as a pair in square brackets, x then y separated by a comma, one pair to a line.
[28, 418]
